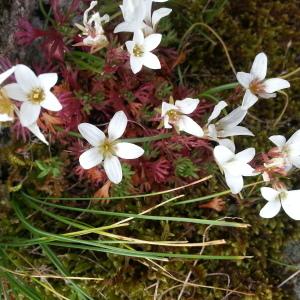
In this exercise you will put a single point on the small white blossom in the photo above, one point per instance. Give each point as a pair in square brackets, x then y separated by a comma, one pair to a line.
[6, 105]
[227, 126]
[140, 51]
[108, 149]
[92, 30]
[34, 92]
[289, 150]
[289, 200]
[134, 12]
[138, 14]
[176, 115]
[255, 84]
[234, 166]
[152, 19]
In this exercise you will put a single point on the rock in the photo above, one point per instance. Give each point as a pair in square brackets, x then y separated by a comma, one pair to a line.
[10, 12]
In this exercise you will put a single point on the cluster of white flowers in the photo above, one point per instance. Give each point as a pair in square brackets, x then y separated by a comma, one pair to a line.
[138, 19]
[92, 29]
[34, 93]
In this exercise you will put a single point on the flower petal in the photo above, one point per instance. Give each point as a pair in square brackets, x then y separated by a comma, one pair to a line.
[187, 106]
[236, 168]
[295, 160]
[166, 122]
[26, 78]
[138, 37]
[125, 27]
[29, 113]
[269, 194]
[212, 131]
[128, 150]
[275, 84]
[223, 154]
[117, 125]
[247, 170]
[90, 158]
[249, 100]
[159, 14]
[113, 169]
[246, 155]
[235, 183]
[259, 67]
[51, 102]
[278, 140]
[228, 143]
[266, 95]
[151, 61]
[291, 204]
[188, 125]
[91, 133]
[244, 79]
[233, 118]
[235, 131]
[217, 110]
[295, 138]
[48, 80]
[165, 107]
[136, 64]
[14, 91]
[270, 210]
[34, 128]
[152, 41]
[6, 74]
[130, 45]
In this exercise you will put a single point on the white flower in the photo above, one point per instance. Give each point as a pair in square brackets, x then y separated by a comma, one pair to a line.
[289, 200]
[108, 149]
[227, 126]
[140, 51]
[34, 92]
[134, 12]
[152, 19]
[175, 115]
[138, 14]
[6, 106]
[234, 166]
[289, 150]
[93, 30]
[255, 83]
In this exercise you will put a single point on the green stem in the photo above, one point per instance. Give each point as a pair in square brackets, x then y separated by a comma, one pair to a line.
[220, 88]
[204, 198]
[139, 216]
[153, 138]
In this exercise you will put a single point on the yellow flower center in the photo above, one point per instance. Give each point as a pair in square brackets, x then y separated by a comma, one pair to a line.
[173, 115]
[6, 106]
[138, 51]
[257, 87]
[36, 96]
[107, 147]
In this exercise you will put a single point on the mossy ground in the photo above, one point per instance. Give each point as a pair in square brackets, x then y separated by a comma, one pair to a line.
[247, 28]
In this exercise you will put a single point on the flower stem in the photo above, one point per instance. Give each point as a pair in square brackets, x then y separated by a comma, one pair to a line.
[215, 34]
[213, 195]
[291, 73]
[145, 139]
